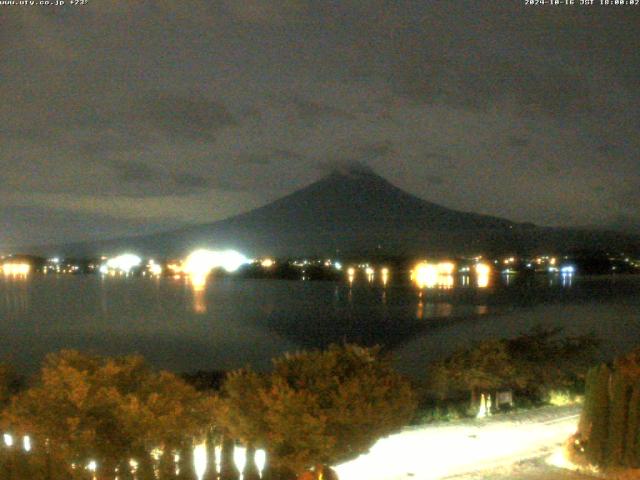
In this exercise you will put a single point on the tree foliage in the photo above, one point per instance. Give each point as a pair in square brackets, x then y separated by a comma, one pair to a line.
[107, 409]
[609, 427]
[532, 363]
[317, 407]
[10, 383]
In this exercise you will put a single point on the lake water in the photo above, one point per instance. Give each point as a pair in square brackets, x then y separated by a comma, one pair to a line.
[231, 322]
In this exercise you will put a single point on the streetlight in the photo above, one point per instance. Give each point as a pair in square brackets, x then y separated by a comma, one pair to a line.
[200, 460]
[92, 466]
[240, 458]
[261, 460]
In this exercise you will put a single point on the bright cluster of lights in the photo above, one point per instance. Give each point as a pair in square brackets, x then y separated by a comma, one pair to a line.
[16, 269]
[430, 275]
[154, 268]
[483, 274]
[385, 275]
[122, 263]
[267, 262]
[201, 262]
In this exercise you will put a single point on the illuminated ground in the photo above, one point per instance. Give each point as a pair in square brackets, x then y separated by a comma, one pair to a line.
[497, 448]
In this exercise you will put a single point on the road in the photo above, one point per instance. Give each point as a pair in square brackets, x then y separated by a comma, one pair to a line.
[452, 449]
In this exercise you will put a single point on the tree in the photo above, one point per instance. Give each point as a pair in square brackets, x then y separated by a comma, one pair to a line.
[599, 422]
[482, 368]
[631, 445]
[317, 407]
[619, 404]
[10, 383]
[532, 363]
[111, 410]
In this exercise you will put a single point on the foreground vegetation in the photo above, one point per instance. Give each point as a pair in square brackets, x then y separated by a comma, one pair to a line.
[313, 409]
[88, 416]
[534, 368]
[609, 429]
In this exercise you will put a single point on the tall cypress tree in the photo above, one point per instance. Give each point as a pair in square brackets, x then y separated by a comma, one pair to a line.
[586, 417]
[618, 410]
[595, 448]
[631, 445]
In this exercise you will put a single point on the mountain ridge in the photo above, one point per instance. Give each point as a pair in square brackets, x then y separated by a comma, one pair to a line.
[355, 211]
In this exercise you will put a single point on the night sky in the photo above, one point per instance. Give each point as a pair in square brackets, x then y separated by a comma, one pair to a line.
[130, 116]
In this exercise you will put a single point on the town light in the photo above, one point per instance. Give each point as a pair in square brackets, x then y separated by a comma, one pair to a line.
[124, 262]
[425, 275]
[8, 439]
[16, 269]
[446, 268]
[26, 443]
[385, 275]
[351, 274]
[267, 263]
[201, 262]
[483, 273]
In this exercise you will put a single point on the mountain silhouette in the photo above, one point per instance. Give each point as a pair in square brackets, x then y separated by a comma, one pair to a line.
[353, 211]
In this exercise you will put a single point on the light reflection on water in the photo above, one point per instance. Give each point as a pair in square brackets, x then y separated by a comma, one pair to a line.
[226, 323]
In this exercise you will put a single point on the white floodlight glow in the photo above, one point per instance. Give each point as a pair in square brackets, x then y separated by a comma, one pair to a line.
[385, 275]
[217, 453]
[200, 460]
[8, 439]
[483, 273]
[154, 268]
[425, 275]
[261, 460]
[26, 443]
[457, 450]
[124, 262]
[240, 457]
[201, 262]
[267, 263]
[92, 466]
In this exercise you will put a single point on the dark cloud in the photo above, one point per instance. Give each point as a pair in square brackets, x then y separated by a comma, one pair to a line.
[434, 179]
[314, 110]
[191, 118]
[134, 171]
[189, 108]
[346, 167]
[439, 157]
[355, 158]
[190, 180]
[265, 158]
[608, 149]
[57, 226]
[515, 141]
[152, 180]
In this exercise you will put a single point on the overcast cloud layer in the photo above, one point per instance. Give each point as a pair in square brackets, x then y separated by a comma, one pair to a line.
[130, 116]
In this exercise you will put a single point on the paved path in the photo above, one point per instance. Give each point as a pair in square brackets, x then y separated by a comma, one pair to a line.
[452, 449]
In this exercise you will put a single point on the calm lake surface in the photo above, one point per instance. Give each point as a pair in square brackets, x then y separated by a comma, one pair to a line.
[234, 322]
